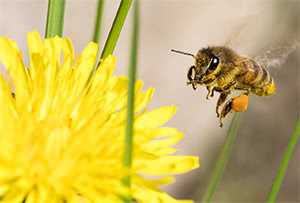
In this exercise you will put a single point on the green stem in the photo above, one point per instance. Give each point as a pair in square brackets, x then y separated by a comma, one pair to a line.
[97, 29]
[284, 164]
[116, 28]
[127, 161]
[223, 158]
[55, 18]
[98, 23]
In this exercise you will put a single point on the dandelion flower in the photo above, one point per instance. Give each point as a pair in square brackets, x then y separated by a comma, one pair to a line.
[62, 133]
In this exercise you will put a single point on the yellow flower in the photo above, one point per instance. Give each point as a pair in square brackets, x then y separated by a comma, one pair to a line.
[62, 135]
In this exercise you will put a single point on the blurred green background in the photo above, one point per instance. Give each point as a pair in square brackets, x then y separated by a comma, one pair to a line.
[251, 26]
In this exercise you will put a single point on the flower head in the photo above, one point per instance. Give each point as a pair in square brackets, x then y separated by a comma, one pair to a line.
[62, 133]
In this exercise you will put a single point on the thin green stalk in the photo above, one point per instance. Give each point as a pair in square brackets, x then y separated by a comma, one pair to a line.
[116, 28]
[223, 158]
[55, 18]
[127, 161]
[97, 29]
[284, 164]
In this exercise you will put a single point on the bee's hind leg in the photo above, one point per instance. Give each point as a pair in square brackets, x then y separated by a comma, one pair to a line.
[238, 104]
[221, 100]
[224, 92]
[226, 110]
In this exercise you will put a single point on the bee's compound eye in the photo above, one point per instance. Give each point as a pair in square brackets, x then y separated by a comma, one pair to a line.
[191, 73]
[213, 65]
[214, 62]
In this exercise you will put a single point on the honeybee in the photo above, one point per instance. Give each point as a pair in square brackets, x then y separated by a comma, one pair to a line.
[222, 70]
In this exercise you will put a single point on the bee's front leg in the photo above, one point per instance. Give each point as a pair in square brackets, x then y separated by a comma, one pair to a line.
[193, 83]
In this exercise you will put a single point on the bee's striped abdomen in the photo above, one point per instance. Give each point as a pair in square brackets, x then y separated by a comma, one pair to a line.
[257, 77]
[267, 88]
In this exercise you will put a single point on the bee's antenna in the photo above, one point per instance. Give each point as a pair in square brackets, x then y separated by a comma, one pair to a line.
[184, 53]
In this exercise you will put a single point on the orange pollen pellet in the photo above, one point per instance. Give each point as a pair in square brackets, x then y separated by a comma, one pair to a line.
[240, 103]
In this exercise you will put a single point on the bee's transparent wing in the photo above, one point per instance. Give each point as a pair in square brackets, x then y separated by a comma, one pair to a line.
[275, 56]
[240, 27]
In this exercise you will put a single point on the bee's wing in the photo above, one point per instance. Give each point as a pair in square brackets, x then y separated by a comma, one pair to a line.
[244, 22]
[275, 56]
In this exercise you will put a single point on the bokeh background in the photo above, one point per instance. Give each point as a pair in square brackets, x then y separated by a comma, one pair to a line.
[247, 26]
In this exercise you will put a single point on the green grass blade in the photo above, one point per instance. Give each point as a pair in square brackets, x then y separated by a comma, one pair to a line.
[284, 164]
[127, 161]
[55, 18]
[116, 28]
[97, 29]
[223, 158]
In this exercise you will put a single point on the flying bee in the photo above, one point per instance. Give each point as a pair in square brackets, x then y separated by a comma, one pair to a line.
[222, 70]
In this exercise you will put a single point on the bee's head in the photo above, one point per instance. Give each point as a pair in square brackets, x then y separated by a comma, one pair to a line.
[205, 63]
[208, 61]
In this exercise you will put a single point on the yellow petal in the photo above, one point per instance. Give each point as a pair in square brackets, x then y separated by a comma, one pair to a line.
[36, 49]
[155, 118]
[11, 59]
[163, 143]
[144, 194]
[143, 99]
[68, 51]
[85, 64]
[143, 181]
[15, 194]
[3, 189]
[102, 73]
[170, 165]
[8, 113]
[35, 44]
[53, 48]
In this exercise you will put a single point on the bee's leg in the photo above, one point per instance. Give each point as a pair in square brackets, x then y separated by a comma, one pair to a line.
[224, 91]
[226, 88]
[212, 92]
[220, 101]
[193, 83]
[194, 86]
[208, 93]
[229, 86]
[245, 88]
[227, 109]
[238, 104]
